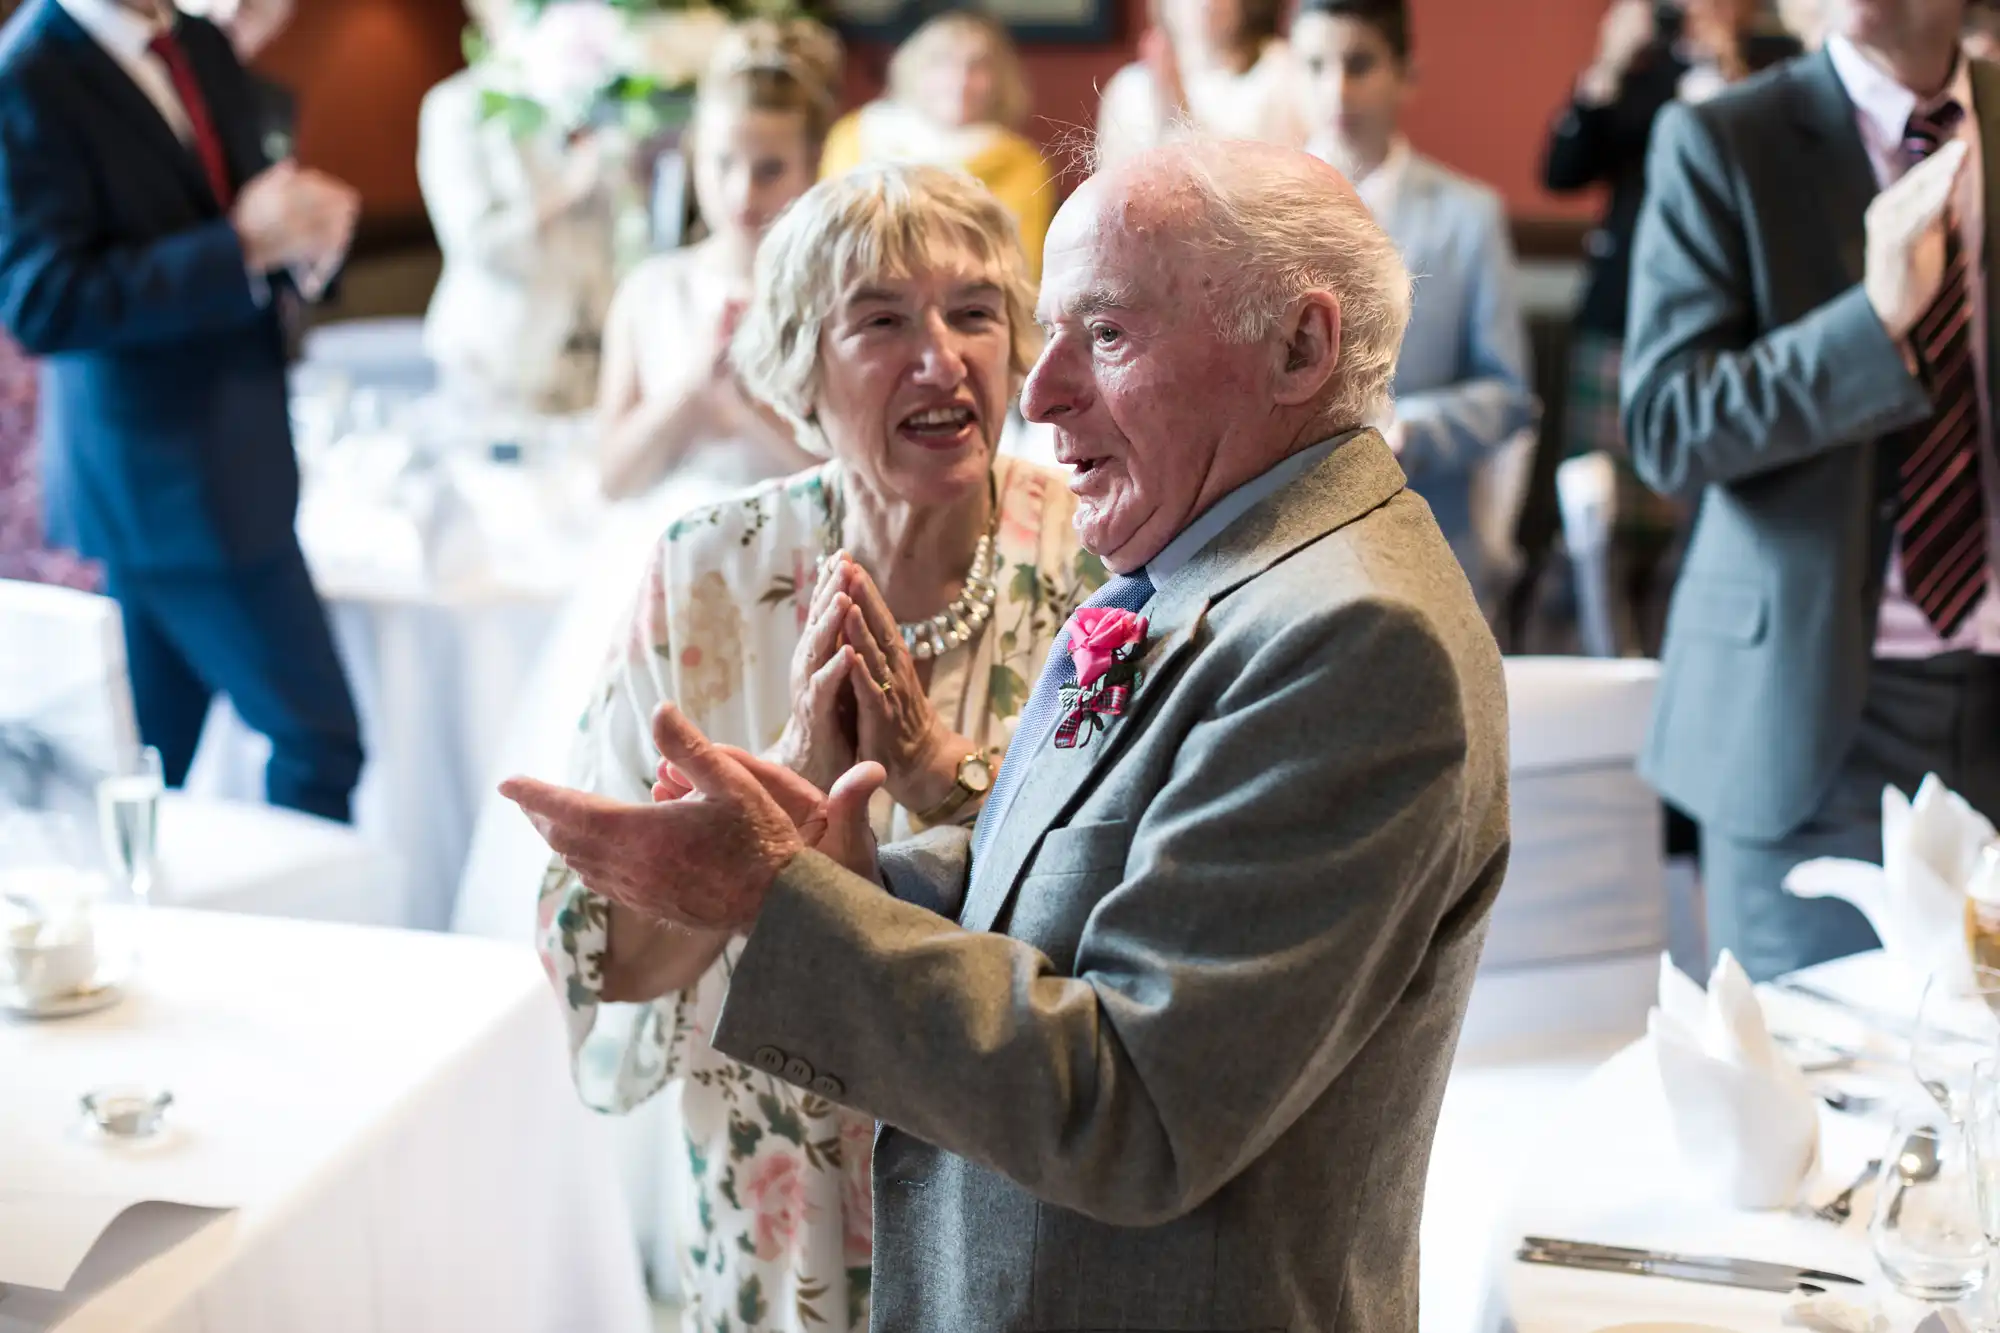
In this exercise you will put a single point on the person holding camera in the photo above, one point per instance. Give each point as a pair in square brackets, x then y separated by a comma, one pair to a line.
[1648, 55]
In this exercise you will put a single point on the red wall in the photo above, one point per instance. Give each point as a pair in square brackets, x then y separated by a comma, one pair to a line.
[1492, 73]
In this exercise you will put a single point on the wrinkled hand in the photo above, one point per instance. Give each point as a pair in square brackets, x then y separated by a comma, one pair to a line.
[706, 863]
[895, 725]
[819, 738]
[287, 214]
[834, 825]
[1624, 33]
[1905, 226]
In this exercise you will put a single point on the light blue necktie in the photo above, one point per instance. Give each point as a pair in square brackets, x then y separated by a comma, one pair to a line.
[1038, 719]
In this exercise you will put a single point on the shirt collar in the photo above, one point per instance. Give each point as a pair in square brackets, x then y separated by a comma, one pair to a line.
[118, 30]
[1208, 525]
[1884, 103]
[1380, 187]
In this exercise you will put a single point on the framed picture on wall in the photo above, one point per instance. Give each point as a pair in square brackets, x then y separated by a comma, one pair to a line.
[1032, 22]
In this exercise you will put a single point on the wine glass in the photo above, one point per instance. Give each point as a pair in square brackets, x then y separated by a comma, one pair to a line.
[1958, 1027]
[1928, 1232]
[128, 813]
[1982, 1133]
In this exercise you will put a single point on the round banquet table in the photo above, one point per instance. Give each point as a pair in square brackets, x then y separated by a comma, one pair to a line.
[372, 1132]
[1607, 1169]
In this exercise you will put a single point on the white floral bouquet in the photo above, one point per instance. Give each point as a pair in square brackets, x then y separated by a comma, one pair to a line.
[579, 64]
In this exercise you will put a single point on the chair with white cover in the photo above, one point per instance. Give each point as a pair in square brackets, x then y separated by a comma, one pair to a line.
[1587, 498]
[65, 719]
[1571, 963]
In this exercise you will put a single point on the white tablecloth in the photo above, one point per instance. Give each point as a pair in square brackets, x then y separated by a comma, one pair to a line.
[387, 1110]
[1607, 1170]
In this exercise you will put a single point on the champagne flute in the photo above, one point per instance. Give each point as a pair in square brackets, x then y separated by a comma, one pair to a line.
[1928, 1232]
[1957, 1028]
[128, 813]
[1982, 1133]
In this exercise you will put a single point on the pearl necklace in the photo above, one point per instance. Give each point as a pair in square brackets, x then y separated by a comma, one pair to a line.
[966, 614]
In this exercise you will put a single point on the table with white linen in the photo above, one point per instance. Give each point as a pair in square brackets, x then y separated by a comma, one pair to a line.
[1607, 1169]
[388, 1112]
[443, 569]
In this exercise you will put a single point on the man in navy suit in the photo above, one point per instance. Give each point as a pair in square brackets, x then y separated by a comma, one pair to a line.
[144, 246]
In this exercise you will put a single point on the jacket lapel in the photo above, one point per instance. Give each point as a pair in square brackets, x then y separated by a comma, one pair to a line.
[1835, 157]
[1986, 106]
[1358, 476]
[115, 89]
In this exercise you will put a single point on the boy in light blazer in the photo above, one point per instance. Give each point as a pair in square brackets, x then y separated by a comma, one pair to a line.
[1462, 382]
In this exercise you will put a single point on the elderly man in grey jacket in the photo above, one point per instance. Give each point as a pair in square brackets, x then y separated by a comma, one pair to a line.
[1163, 1047]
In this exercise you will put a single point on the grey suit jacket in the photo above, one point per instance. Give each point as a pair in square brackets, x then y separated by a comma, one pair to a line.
[1758, 379]
[1178, 1065]
[1462, 376]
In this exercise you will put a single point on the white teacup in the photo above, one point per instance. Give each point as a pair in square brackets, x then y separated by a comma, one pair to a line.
[54, 965]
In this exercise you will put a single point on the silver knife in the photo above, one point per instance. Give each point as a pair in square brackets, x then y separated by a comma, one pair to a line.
[1758, 1267]
[1780, 1283]
[1875, 1018]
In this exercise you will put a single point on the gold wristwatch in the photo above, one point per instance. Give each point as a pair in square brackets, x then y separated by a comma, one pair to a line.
[974, 778]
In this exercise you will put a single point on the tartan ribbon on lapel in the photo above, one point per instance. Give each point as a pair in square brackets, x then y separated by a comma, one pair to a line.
[1085, 710]
[1088, 707]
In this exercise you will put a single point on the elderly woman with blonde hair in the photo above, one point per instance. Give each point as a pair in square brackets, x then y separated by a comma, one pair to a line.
[889, 605]
[957, 97]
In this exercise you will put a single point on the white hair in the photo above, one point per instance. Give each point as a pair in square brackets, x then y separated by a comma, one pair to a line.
[873, 222]
[1282, 236]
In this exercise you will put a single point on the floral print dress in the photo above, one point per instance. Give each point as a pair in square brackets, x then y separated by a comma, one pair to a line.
[778, 1178]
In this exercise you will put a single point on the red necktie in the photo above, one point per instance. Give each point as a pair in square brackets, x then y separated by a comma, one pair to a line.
[207, 144]
[1942, 514]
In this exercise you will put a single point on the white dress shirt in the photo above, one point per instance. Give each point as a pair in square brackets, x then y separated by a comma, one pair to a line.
[1380, 188]
[1208, 525]
[1882, 110]
[126, 37]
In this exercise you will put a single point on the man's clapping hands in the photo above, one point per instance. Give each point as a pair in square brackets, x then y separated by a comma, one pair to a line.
[723, 824]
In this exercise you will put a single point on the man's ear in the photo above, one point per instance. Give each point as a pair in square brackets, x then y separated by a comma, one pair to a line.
[1310, 351]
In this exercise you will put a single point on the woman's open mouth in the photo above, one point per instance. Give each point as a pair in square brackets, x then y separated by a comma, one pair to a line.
[941, 428]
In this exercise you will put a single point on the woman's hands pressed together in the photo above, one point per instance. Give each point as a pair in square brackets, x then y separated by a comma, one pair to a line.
[858, 696]
[819, 741]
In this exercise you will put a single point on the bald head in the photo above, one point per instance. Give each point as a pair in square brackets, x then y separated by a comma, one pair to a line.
[1213, 307]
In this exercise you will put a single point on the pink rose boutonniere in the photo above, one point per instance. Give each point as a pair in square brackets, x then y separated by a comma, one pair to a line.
[1104, 642]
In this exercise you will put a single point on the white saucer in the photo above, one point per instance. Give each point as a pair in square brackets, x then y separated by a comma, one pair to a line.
[102, 992]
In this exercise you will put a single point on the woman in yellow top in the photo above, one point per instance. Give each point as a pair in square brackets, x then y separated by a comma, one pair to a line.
[956, 98]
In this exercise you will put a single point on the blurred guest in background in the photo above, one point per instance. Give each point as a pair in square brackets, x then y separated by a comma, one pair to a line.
[957, 98]
[1461, 387]
[1214, 66]
[819, 617]
[669, 408]
[142, 239]
[1804, 363]
[24, 554]
[1981, 38]
[1648, 55]
[523, 216]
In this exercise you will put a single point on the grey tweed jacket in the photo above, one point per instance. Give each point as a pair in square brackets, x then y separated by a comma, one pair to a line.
[1178, 1063]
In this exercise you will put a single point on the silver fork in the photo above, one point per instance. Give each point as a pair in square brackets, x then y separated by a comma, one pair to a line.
[1841, 1206]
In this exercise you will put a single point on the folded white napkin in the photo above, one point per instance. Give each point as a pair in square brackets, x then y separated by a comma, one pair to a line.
[1747, 1124]
[1915, 899]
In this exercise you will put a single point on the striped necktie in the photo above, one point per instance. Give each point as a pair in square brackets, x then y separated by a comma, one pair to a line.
[1941, 511]
[1038, 719]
